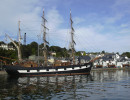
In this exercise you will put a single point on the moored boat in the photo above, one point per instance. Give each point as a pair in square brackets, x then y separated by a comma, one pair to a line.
[44, 70]
[17, 70]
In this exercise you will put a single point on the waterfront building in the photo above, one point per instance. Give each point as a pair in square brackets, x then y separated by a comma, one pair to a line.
[111, 61]
[7, 47]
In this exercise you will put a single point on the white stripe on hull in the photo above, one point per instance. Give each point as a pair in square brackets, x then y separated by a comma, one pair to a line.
[69, 69]
[83, 67]
[53, 70]
[61, 69]
[76, 68]
[42, 71]
[22, 71]
[88, 66]
[33, 71]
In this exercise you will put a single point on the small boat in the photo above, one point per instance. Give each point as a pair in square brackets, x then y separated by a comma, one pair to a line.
[72, 69]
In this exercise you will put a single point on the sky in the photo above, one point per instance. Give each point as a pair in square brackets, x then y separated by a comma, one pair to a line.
[99, 24]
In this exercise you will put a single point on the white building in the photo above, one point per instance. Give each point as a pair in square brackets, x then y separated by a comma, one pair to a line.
[112, 60]
[6, 47]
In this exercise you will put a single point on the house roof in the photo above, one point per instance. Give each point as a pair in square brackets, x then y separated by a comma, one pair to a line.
[123, 58]
[108, 57]
[84, 57]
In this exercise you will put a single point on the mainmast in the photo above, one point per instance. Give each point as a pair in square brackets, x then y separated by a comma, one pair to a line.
[72, 39]
[44, 39]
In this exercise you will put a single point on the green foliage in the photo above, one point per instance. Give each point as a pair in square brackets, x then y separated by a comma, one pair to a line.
[25, 49]
[1, 42]
[32, 49]
[60, 52]
[94, 53]
[126, 54]
[78, 53]
[9, 54]
[55, 48]
[103, 52]
[84, 53]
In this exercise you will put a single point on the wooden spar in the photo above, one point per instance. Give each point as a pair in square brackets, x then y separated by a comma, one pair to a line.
[44, 39]
[18, 46]
[72, 39]
[19, 42]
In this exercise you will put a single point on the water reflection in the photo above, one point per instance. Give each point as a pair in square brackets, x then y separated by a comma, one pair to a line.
[43, 87]
[111, 75]
[100, 84]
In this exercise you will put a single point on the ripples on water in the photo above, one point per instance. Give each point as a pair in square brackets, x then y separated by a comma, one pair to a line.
[100, 85]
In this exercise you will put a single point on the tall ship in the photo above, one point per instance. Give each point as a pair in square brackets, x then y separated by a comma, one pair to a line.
[70, 69]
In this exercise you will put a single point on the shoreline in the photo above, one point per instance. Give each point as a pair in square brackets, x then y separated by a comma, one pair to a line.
[108, 69]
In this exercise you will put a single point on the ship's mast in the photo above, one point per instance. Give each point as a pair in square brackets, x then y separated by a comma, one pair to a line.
[19, 43]
[44, 39]
[18, 46]
[72, 39]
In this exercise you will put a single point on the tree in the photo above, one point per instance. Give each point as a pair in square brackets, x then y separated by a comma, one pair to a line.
[9, 54]
[103, 52]
[1, 42]
[78, 53]
[84, 53]
[25, 49]
[126, 54]
[34, 48]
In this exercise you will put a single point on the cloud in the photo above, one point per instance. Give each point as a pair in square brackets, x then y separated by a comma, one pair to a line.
[121, 6]
[54, 19]
[90, 39]
[124, 31]
[58, 35]
[78, 20]
[93, 32]
[115, 18]
[26, 11]
[121, 3]
[123, 25]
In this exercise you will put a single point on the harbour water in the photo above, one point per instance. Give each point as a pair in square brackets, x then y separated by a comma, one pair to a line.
[100, 85]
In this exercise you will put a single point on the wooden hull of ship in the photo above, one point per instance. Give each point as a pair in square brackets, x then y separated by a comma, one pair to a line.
[17, 70]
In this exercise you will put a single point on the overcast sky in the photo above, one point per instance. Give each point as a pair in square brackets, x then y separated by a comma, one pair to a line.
[99, 24]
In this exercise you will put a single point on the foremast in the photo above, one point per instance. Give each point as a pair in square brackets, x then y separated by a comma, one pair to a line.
[44, 38]
[19, 44]
[72, 39]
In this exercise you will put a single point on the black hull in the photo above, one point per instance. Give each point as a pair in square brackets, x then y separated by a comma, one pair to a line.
[48, 71]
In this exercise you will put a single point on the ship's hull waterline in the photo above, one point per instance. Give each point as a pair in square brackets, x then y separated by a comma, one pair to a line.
[18, 70]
